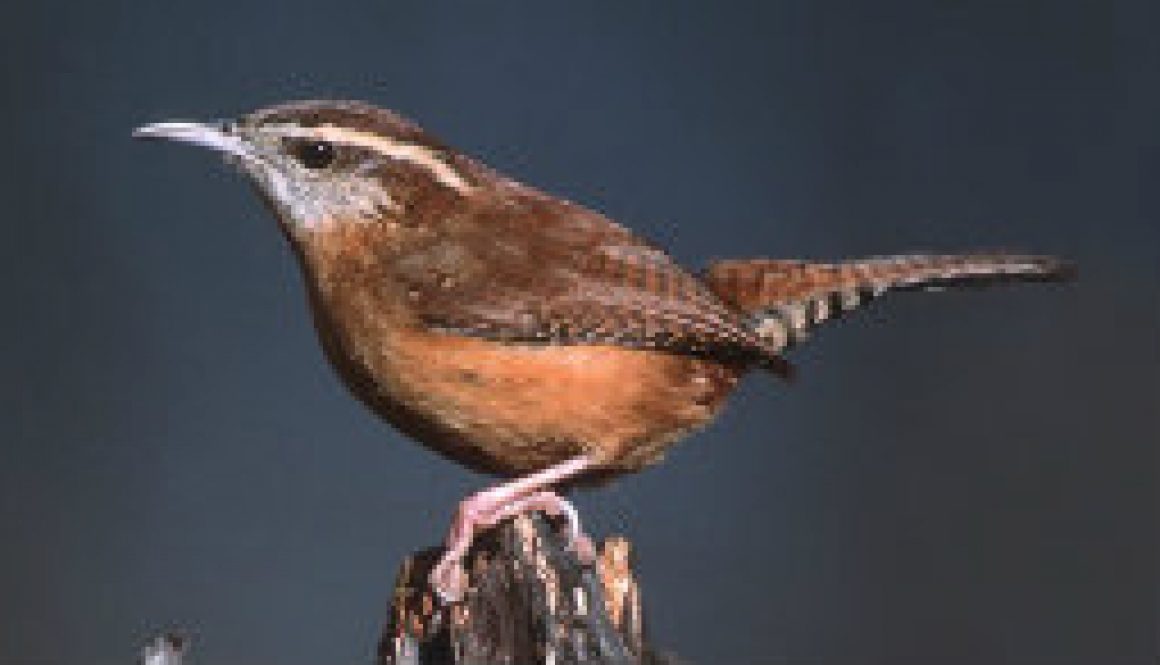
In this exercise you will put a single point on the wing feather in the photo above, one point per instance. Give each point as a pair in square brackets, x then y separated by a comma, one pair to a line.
[555, 273]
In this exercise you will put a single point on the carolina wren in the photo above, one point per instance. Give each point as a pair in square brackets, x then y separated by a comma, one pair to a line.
[514, 332]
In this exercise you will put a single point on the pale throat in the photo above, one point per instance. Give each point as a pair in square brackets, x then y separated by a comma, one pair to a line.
[346, 201]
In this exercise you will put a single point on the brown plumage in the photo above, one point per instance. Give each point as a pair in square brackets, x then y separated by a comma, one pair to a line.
[517, 333]
[787, 298]
[487, 398]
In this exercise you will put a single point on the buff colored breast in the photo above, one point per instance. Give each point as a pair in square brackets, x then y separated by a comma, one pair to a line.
[525, 407]
[498, 407]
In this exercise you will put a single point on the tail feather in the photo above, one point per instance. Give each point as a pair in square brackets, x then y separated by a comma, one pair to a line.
[788, 298]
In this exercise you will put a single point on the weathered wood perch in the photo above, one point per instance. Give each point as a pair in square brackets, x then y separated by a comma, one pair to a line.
[530, 601]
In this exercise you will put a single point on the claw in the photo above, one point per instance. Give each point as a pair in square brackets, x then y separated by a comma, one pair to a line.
[449, 579]
[488, 508]
[555, 505]
[584, 548]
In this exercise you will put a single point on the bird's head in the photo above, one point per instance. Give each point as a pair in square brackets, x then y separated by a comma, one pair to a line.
[322, 164]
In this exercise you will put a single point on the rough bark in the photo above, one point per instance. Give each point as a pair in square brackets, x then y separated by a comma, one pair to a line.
[530, 601]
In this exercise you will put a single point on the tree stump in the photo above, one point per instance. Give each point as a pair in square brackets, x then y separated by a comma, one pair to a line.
[530, 600]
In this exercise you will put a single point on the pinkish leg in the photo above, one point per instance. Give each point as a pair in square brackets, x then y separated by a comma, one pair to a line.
[554, 505]
[491, 506]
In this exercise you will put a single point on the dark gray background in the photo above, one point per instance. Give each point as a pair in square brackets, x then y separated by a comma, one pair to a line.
[959, 478]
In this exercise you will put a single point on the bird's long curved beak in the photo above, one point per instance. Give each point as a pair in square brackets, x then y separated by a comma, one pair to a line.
[213, 136]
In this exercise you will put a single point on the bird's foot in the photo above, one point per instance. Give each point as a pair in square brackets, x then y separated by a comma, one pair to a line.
[555, 505]
[449, 578]
[485, 510]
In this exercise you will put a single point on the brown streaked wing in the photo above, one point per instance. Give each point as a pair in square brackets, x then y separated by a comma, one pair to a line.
[542, 270]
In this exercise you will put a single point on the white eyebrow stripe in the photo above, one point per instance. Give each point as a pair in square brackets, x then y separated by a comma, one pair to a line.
[407, 152]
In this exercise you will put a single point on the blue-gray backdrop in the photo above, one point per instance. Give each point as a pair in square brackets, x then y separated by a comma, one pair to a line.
[959, 478]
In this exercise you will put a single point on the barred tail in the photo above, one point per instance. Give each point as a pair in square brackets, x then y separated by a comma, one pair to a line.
[788, 298]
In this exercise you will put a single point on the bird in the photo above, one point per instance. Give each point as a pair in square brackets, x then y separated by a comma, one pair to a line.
[519, 334]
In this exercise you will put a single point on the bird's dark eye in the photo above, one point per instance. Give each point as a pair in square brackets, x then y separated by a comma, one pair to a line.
[314, 154]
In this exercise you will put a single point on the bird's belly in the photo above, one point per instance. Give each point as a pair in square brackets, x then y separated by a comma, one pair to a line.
[514, 408]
